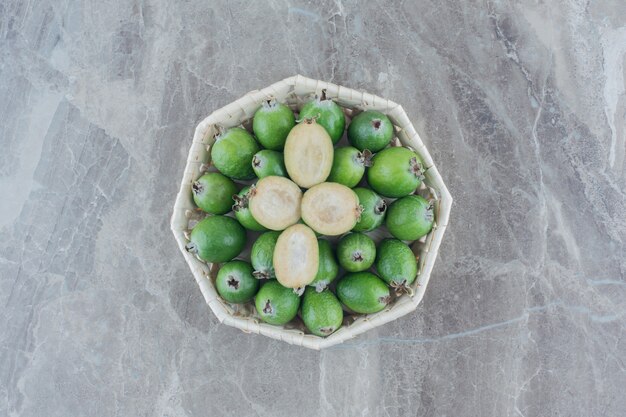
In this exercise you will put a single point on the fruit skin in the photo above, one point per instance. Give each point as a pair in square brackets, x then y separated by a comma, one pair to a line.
[296, 257]
[349, 165]
[370, 130]
[262, 255]
[328, 268]
[212, 192]
[276, 304]
[395, 172]
[271, 124]
[356, 252]
[396, 263]
[242, 211]
[235, 283]
[329, 116]
[267, 162]
[217, 239]
[374, 210]
[410, 218]
[363, 292]
[308, 154]
[232, 153]
[321, 312]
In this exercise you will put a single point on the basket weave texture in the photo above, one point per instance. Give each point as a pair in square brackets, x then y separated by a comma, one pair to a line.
[295, 91]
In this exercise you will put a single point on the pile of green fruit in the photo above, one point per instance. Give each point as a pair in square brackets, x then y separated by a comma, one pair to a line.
[300, 191]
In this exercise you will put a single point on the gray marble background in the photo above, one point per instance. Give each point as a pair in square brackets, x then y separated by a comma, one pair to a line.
[522, 105]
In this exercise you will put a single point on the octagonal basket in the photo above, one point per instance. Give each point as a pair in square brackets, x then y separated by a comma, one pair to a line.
[295, 91]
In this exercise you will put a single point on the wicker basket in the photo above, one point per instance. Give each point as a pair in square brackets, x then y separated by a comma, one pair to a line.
[295, 91]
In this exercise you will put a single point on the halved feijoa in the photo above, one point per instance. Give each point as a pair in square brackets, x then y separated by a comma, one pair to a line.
[296, 256]
[308, 154]
[330, 209]
[275, 202]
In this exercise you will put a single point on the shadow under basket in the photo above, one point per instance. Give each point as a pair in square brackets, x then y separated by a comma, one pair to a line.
[295, 91]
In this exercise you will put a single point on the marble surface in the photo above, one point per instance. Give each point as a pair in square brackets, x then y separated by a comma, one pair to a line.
[522, 105]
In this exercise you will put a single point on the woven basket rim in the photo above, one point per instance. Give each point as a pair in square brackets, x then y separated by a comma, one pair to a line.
[242, 109]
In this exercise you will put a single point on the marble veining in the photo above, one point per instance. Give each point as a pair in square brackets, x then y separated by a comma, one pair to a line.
[522, 105]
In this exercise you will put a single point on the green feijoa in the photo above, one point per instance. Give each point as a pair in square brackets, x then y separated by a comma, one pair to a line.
[395, 172]
[349, 165]
[321, 312]
[217, 239]
[242, 211]
[276, 304]
[396, 264]
[235, 282]
[232, 153]
[356, 252]
[262, 255]
[410, 217]
[271, 124]
[363, 292]
[328, 114]
[268, 162]
[374, 210]
[212, 193]
[370, 130]
[328, 268]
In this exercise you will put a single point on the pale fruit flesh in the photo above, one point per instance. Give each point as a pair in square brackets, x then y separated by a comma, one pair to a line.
[296, 257]
[330, 208]
[274, 202]
[308, 154]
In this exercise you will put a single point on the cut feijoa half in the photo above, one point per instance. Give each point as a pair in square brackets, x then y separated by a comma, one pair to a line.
[308, 154]
[296, 257]
[275, 202]
[330, 209]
